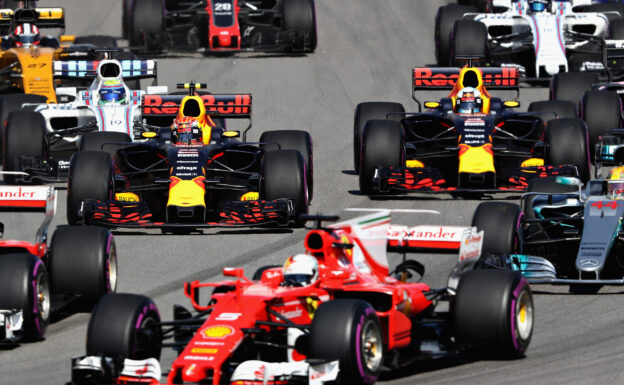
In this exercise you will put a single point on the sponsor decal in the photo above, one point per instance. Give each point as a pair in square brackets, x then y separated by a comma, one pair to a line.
[447, 77]
[474, 122]
[532, 162]
[250, 196]
[126, 197]
[414, 164]
[222, 104]
[292, 313]
[23, 193]
[217, 331]
[589, 263]
[204, 350]
[228, 316]
[471, 244]
[198, 358]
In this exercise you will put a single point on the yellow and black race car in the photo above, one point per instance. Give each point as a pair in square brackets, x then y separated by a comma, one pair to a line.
[468, 141]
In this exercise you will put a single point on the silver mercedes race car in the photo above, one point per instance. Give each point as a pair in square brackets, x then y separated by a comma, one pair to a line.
[539, 37]
[562, 233]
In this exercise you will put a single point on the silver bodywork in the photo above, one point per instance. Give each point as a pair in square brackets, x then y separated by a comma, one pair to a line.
[548, 30]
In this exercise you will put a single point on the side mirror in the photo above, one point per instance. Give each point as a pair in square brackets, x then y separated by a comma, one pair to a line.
[230, 134]
[67, 38]
[511, 104]
[233, 272]
[432, 104]
[149, 134]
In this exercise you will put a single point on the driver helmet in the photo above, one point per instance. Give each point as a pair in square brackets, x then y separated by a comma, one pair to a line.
[112, 92]
[186, 130]
[26, 35]
[615, 189]
[301, 270]
[469, 101]
[539, 5]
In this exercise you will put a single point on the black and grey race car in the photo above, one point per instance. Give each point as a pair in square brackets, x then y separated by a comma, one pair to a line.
[562, 233]
[220, 25]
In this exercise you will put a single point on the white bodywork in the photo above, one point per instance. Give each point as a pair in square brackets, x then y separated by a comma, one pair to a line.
[86, 108]
[547, 28]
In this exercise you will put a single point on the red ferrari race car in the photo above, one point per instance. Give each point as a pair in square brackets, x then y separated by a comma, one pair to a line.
[337, 311]
[36, 279]
[220, 25]
[467, 141]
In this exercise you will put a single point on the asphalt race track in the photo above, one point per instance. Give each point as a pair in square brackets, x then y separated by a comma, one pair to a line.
[365, 52]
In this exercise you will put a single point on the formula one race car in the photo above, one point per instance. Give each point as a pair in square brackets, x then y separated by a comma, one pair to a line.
[41, 138]
[563, 234]
[192, 173]
[469, 141]
[540, 38]
[37, 279]
[220, 25]
[336, 312]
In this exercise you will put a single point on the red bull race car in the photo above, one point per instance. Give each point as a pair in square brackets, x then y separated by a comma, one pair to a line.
[468, 141]
[190, 172]
[335, 313]
[220, 25]
[36, 279]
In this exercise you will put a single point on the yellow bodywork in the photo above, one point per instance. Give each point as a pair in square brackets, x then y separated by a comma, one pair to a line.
[186, 193]
[616, 173]
[532, 162]
[34, 68]
[413, 163]
[476, 160]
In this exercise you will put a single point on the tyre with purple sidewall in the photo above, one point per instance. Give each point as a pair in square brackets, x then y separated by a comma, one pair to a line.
[349, 330]
[125, 326]
[492, 313]
[24, 286]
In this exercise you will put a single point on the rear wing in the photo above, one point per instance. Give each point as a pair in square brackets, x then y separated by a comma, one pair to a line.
[237, 106]
[41, 17]
[130, 69]
[31, 197]
[443, 78]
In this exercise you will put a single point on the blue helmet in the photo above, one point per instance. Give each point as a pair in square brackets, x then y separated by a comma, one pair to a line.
[539, 5]
[112, 92]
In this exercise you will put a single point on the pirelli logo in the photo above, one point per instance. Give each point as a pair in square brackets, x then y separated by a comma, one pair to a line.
[424, 77]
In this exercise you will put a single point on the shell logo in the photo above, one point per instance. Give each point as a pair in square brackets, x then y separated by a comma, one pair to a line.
[217, 331]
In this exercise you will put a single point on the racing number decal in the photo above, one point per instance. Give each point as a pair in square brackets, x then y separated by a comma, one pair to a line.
[602, 204]
[223, 7]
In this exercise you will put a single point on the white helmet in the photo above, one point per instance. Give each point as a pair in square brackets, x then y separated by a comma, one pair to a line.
[300, 270]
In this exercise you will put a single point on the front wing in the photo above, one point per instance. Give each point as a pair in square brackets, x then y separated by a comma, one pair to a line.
[279, 212]
[539, 270]
[431, 180]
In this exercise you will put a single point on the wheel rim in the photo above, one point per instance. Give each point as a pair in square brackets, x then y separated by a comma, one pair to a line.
[372, 349]
[144, 338]
[524, 316]
[111, 269]
[43, 296]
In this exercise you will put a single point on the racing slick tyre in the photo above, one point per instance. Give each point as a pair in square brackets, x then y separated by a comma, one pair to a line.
[553, 109]
[300, 15]
[90, 177]
[445, 18]
[500, 222]
[100, 41]
[544, 185]
[146, 18]
[348, 330]
[493, 310]
[368, 111]
[284, 177]
[12, 102]
[83, 261]
[468, 38]
[293, 140]
[95, 141]
[566, 142]
[24, 136]
[382, 146]
[601, 111]
[571, 85]
[24, 286]
[124, 326]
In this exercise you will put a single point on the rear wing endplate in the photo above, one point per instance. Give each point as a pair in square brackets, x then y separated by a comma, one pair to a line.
[31, 197]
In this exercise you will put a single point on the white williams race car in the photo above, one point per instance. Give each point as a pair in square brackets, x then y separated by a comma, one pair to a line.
[539, 37]
[40, 138]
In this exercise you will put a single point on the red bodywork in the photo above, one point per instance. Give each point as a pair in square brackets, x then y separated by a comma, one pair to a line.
[223, 38]
[352, 263]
